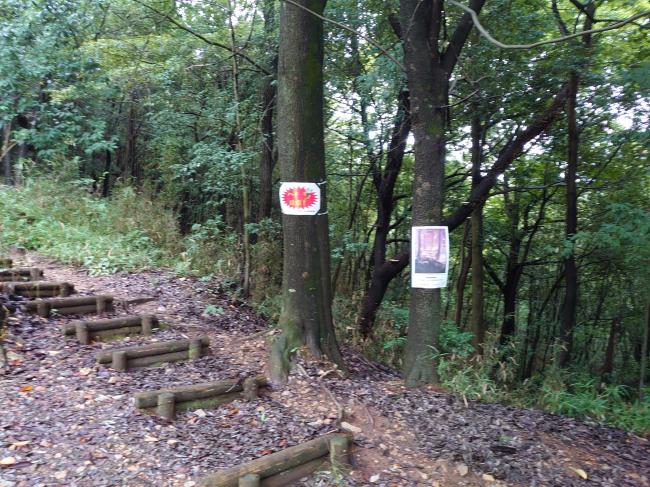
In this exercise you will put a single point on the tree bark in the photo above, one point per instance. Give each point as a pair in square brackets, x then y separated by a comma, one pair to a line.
[477, 319]
[571, 224]
[428, 86]
[267, 158]
[5, 151]
[644, 352]
[385, 187]
[465, 264]
[306, 316]
[428, 70]
[608, 364]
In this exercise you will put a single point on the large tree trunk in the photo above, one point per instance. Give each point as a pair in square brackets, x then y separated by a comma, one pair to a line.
[428, 86]
[306, 316]
[428, 70]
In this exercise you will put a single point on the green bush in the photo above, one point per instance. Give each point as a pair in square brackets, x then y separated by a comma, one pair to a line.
[65, 222]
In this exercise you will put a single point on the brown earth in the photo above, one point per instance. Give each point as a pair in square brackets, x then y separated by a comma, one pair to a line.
[67, 422]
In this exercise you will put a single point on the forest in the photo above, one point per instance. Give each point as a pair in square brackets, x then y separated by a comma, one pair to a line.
[146, 134]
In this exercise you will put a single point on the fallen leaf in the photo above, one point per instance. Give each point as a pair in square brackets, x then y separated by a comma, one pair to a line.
[581, 473]
[488, 478]
[7, 462]
[150, 439]
[26, 388]
[374, 478]
[85, 371]
[19, 444]
[200, 413]
[61, 475]
[462, 469]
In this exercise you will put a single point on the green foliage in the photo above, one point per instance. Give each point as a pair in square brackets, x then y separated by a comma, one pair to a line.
[63, 221]
[584, 397]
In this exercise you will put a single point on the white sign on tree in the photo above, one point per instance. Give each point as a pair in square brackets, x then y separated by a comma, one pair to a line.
[300, 198]
[429, 257]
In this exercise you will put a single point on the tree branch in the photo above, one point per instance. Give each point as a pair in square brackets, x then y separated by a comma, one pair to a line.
[486, 34]
[459, 37]
[198, 35]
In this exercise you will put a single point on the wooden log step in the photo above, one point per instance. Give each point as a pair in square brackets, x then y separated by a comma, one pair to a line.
[86, 331]
[205, 395]
[153, 354]
[281, 468]
[5, 262]
[37, 289]
[21, 274]
[99, 303]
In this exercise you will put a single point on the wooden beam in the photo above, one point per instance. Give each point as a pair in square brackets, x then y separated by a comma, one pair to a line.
[314, 452]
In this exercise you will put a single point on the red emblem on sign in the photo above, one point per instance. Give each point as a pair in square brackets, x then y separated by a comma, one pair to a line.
[299, 197]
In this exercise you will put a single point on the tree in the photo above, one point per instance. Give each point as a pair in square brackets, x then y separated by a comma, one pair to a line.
[306, 317]
[428, 69]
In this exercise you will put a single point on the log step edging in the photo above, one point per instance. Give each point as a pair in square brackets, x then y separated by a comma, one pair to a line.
[283, 467]
[6, 263]
[87, 331]
[198, 396]
[37, 289]
[21, 274]
[123, 359]
[70, 306]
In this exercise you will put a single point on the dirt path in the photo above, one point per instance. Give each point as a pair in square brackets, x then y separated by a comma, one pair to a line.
[67, 422]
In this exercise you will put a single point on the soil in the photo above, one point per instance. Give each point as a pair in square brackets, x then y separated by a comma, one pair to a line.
[67, 422]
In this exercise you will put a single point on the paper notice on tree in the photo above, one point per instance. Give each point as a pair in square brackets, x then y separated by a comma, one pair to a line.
[300, 198]
[429, 257]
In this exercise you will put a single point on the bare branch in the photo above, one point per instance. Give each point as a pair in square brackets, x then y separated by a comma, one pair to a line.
[202, 37]
[497, 43]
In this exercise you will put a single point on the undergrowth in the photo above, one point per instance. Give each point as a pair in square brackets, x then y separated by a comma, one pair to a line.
[130, 231]
[492, 376]
[66, 223]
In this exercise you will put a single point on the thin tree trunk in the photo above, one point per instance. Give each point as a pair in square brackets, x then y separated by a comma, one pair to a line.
[465, 264]
[246, 267]
[570, 267]
[571, 271]
[106, 180]
[267, 158]
[477, 318]
[644, 352]
[5, 151]
[608, 364]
